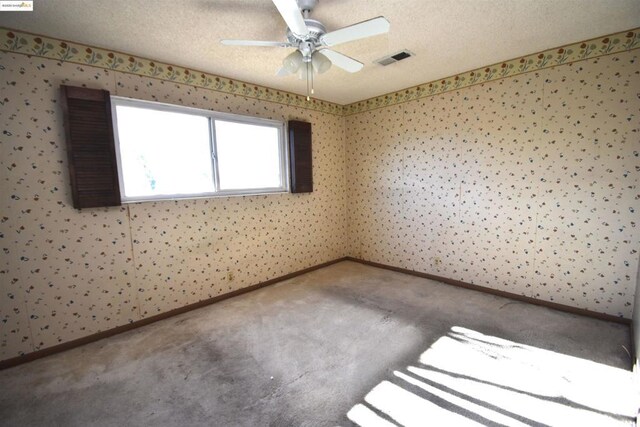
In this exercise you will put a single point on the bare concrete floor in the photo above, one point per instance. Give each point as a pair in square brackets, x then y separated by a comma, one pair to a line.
[348, 344]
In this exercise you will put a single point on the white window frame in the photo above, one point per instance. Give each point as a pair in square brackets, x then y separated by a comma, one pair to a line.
[212, 116]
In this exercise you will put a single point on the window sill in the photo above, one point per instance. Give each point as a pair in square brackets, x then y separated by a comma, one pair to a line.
[205, 196]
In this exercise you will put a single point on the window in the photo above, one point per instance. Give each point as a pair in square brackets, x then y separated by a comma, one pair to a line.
[169, 152]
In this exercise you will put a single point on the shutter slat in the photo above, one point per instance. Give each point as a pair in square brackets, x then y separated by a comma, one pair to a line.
[91, 150]
[300, 155]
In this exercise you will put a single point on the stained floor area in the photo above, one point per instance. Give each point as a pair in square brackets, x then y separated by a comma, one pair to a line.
[345, 345]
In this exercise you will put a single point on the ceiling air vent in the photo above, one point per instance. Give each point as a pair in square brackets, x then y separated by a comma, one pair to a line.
[388, 60]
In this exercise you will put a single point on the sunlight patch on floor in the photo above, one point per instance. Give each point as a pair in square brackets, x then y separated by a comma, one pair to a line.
[468, 378]
[367, 417]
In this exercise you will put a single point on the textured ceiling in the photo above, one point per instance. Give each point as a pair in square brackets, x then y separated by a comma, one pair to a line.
[447, 36]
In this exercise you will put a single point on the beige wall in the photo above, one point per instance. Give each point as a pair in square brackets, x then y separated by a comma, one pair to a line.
[528, 184]
[67, 274]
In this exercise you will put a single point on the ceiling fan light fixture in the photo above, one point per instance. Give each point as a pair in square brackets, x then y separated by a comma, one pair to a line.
[292, 62]
[321, 63]
[308, 36]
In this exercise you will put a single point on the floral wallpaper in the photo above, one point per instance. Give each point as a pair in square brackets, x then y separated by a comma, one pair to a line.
[521, 176]
[66, 273]
[529, 184]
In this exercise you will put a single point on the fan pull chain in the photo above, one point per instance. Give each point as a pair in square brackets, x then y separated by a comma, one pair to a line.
[308, 91]
[311, 78]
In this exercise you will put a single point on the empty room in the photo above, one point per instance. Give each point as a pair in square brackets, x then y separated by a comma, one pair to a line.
[320, 213]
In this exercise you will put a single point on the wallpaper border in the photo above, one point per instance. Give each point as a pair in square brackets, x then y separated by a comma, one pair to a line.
[16, 41]
[22, 42]
[622, 41]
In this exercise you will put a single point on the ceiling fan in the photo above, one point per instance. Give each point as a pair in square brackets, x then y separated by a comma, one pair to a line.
[312, 42]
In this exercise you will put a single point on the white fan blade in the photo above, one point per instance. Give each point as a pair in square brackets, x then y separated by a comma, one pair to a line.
[292, 16]
[369, 28]
[282, 72]
[253, 43]
[343, 61]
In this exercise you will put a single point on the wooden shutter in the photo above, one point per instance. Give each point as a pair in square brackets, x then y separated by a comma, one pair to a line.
[92, 157]
[300, 157]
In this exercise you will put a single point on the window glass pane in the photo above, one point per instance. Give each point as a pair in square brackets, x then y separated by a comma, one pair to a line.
[163, 152]
[248, 156]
